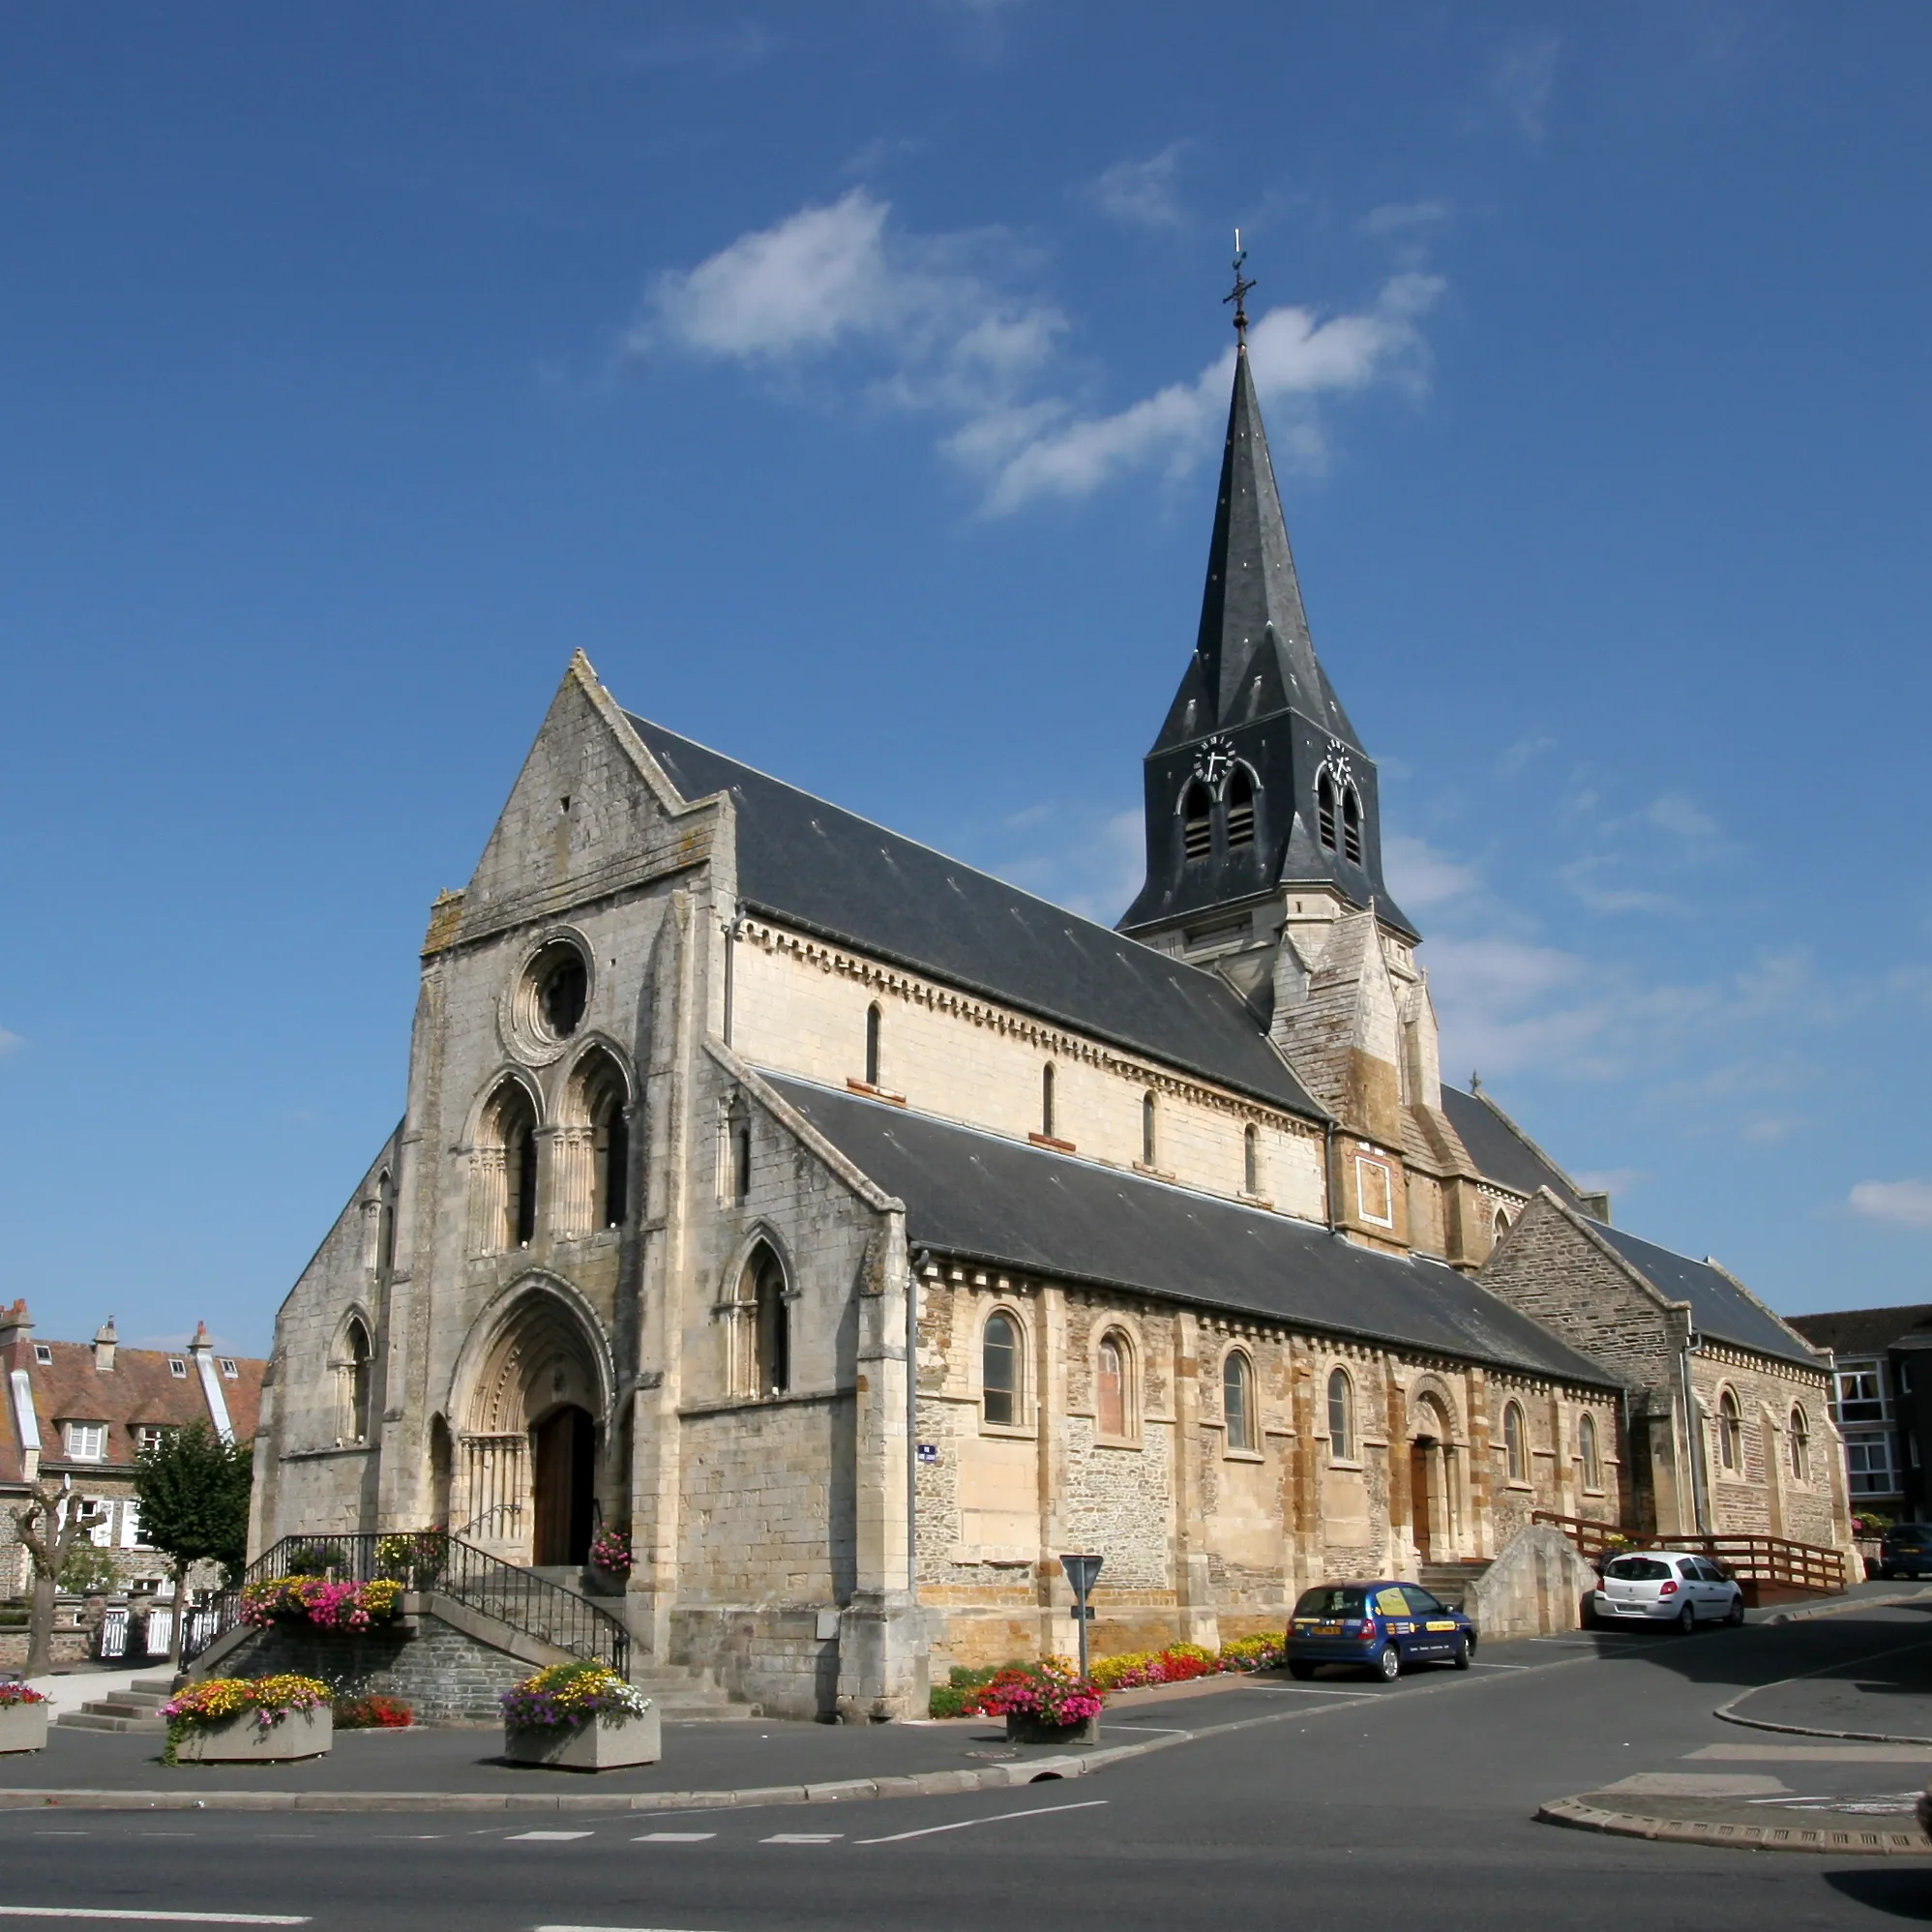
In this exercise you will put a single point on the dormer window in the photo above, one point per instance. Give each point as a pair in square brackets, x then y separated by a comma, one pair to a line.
[1239, 798]
[1352, 826]
[44, 1354]
[87, 1441]
[177, 1367]
[229, 1368]
[1197, 824]
[1324, 808]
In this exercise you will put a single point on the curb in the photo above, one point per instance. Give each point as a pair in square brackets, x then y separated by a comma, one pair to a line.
[1729, 1714]
[1850, 1608]
[1881, 1842]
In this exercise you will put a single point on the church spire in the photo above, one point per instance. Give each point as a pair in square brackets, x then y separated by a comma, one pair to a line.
[1253, 654]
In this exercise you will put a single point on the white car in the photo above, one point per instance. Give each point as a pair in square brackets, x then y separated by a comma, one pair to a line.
[1666, 1587]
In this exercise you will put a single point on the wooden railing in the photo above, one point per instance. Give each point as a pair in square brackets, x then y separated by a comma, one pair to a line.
[1772, 1564]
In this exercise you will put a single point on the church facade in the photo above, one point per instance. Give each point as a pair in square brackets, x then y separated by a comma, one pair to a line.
[858, 1232]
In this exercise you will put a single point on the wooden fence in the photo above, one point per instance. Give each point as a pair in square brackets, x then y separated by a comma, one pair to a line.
[1770, 1567]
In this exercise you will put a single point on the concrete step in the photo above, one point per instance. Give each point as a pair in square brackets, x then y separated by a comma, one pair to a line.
[160, 1688]
[1450, 1580]
[119, 1705]
[91, 1719]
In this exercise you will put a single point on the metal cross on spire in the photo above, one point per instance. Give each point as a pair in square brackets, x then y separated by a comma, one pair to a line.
[1238, 295]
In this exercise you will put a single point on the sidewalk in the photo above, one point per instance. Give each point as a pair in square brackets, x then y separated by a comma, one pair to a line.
[764, 1762]
[1882, 1696]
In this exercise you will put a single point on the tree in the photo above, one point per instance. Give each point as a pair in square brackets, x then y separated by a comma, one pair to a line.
[193, 1494]
[49, 1525]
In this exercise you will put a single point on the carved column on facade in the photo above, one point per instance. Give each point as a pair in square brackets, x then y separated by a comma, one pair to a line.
[1304, 1479]
[489, 1198]
[1404, 1551]
[1194, 1593]
[1050, 1345]
[573, 1181]
[1482, 1468]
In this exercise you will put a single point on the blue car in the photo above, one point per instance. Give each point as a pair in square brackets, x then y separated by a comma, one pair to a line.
[1376, 1626]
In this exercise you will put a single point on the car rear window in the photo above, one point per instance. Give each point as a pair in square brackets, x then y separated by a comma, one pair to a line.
[1638, 1569]
[1332, 1602]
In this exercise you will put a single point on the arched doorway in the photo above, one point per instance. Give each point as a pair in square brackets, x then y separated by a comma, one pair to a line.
[1432, 1507]
[563, 1470]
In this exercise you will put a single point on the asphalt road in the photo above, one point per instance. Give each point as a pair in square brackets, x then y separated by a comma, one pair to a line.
[1347, 1805]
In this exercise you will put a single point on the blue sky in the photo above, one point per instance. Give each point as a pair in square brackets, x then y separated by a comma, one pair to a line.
[846, 380]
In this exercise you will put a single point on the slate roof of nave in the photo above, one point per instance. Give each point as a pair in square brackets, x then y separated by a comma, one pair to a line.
[1501, 1150]
[832, 873]
[978, 1196]
[1718, 1307]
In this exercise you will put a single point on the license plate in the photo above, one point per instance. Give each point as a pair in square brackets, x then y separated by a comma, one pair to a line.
[1326, 1630]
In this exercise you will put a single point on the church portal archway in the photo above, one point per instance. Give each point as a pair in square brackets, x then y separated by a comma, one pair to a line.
[563, 1471]
[1432, 1482]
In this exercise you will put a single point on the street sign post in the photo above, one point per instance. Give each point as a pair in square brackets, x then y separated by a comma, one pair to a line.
[1080, 1571]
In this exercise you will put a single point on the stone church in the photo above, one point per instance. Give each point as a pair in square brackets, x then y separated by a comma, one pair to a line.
[856, 1232]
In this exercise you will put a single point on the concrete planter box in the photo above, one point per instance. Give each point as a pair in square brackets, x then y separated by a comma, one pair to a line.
[23, 1726]
[244, 1740]
[1022, 1727]
[593, 1745]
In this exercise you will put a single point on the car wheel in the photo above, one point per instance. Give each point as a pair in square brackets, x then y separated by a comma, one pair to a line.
[1735, 1616]
[1687, 1619]
[1388, 1663]
[1462, 1657]
[1302, 1672]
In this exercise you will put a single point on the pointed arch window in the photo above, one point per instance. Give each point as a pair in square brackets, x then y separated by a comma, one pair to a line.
[763, 1297]
[610, 1155]
[1341, 1417]
[1351, 825]
[1799, 1445]
[1251, 1159]
[999, 1369]
[1324, 808]
[504, 1201]
[738, 1148]
[1149, 1131]
[1197, 822]
[1589, 1454]
[1046, 1101]
[1730, 1433]
[1239, 798]
[1500, 1226]
[358, 1366]
[873, 1023]
[1238, 1400]
[1515, 1445]
[1113, 1390]
[385, 1223]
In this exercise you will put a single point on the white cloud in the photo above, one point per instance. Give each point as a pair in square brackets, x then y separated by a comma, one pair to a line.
[10, 1042]
[1293, 354]
[1520, 81]
[1405, 217]
[1674, 813]
[1902, 1204]
[933, 323]
[1524, 752]
[1141, 192]
[1419, 876]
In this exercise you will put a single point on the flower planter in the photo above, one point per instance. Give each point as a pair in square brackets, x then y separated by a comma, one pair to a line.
[602, 1744]
[243, 1739]
[23, 1726]
[1024, 1728]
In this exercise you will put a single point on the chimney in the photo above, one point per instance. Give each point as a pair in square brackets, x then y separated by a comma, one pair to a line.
[104, 1339]
[16, 1325]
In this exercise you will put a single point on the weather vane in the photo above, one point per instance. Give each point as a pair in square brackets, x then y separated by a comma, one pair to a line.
[1238, 295]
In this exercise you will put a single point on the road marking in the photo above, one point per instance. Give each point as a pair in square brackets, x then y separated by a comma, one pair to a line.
[997, 1817]
[151, 1918]
[803, 1838]
[1323, 1690]
[518, 1837]
[674, 1837]
[1473, 1665]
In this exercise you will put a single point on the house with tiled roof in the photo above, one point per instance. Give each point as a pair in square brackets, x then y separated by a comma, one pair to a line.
[80, 1414]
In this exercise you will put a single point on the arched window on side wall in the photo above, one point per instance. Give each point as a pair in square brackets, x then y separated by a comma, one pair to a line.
[1150, 1139]
[1239, 798]
[1588, 1453]
[610, 1153]
[999, 1368]
[510, 1138]
[1324, 808]
[763, 1289]
[1238, 1400]
[1197, 822]
[1730, 1433]
[385, 1223]
[1500, 1226]
[1251, 1159]
[1046, 1101]
[1341, 1417]
[873, 1023]
[738, 1148]
[1800, 1446]
[1112, 1414]
[1351, 825]
[359, 1364]
[1515, 1447]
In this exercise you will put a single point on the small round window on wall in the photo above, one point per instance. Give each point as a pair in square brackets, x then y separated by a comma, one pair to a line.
[553, 993]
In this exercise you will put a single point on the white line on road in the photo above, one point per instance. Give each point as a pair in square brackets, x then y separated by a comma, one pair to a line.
[997, 1817]
[803, 1838]
[150, 1918]
[674, 1837]
[516, 1838]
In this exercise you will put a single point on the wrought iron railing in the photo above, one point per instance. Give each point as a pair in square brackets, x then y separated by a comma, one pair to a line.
[1776, 1560]
[520, 1597]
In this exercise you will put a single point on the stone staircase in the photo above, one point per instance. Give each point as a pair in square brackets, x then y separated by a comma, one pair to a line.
[135, 1708]
[1450, 1581]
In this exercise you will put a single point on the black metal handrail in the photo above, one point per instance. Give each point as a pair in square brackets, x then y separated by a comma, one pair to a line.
[429, 1560]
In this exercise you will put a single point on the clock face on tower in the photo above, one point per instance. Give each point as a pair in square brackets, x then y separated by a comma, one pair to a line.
[1214, 759]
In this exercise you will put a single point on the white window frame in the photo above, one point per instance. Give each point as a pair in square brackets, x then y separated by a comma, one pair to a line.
[74, 1434]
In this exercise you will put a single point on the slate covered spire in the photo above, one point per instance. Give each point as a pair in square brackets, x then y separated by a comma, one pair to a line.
[1253, 654]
